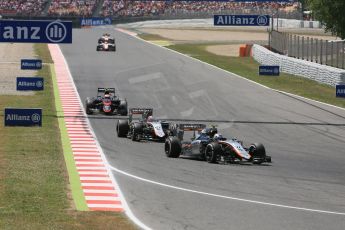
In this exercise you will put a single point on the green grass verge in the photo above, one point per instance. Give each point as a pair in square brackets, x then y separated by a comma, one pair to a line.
[77, 192]
[247, 67]
[34, 189]
[153, 37]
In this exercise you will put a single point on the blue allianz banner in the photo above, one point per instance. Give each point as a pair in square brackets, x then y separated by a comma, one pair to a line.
[340, 90]
[272, 70]
[95, 21]
[23, 117]
[264, 0]
[34, 31]
[30, 83]
[241, 20]
[31, 64]
[228, 0]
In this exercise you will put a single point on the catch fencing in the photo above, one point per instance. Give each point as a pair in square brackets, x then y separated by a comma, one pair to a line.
[325, 52]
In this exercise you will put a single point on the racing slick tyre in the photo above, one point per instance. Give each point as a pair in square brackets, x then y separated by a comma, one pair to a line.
[172, 147]
[98, 49]
[88, 106]
[137, 131]
[122, 128]
[123, 109]
[212, 152]
[258, 153]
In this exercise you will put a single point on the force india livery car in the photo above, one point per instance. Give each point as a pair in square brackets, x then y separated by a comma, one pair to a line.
[210, 146]
[147, 128]
[106, 103]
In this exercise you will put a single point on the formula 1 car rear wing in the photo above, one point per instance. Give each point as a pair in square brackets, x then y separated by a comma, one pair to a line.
[102, 90]
[145, 112]
[191, 127]
[179, 129]
[148, 111]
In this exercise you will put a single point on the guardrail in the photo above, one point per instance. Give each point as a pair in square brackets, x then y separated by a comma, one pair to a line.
[314, 71]
[316, 50]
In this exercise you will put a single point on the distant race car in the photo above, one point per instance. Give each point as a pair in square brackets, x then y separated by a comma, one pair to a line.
[208, 145]
[106, 38]
[106, 102]
[106, 46]
[146, 128]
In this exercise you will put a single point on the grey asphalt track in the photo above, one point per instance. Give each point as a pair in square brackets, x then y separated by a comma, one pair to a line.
[305, 140]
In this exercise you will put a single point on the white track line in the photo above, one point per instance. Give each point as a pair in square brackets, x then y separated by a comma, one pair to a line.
[223, 196]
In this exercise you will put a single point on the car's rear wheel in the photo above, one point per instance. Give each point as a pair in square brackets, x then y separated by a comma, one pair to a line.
[123, 109]
[122, 128]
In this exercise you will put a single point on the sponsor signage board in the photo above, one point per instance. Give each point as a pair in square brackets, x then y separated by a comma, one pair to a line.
[340, 91]
[23, 117]
[241, 20]
[31, 64]
[271, 70]
[35, 31]
[30, 83]
[230, 0]
[95, 21]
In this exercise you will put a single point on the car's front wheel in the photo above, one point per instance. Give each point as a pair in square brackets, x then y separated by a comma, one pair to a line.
[212, 152]
[172, 147]
[258, 153]
[88, 106]
[136, 131]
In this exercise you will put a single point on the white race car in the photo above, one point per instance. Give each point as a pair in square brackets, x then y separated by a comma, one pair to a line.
[105, 46]
[106, 38]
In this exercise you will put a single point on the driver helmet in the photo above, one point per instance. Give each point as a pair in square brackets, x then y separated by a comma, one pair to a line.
[212, 131]
[150, 118]
[106, 94]
[217, 137]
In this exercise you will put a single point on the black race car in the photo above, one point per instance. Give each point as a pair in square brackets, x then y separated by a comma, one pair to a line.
[146, 128]
[208, 145]
[106, 102]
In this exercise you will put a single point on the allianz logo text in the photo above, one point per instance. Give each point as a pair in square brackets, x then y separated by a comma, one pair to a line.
[55, 32]
[241, 20]
[26, 83]
[15, 117]
[37, 64]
